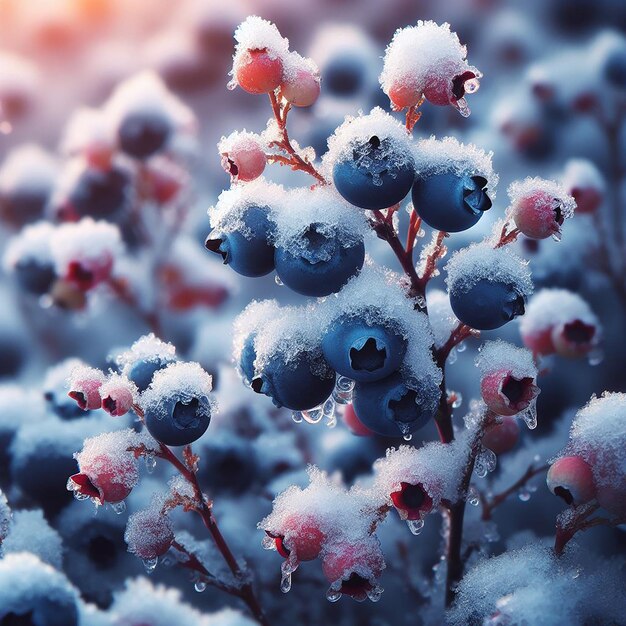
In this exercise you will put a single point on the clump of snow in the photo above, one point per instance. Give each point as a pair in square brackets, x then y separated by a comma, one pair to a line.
[522, 189]
[33, 243]
[252, 319]
[82, 373]
[240, 139]
[419, 55]
[86, 128]
[501, 355]
[228, 617]
[114, 383]
[294, 63]
[86, 241]
[376, 296]
[355, 133]
[324, 208]
[551, 307]
[480, 261]
[227, 214]
[147, 348]
[448, 155]
[27, 166]
[181, 381]
[18, 406]
[598, 434]
[440, 315]
[30, 532]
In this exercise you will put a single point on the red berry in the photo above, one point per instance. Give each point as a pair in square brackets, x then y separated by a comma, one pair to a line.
[245, 159]
[117, 401]
[506, 394]
[571, 478]
[302, 89]
[503, 436]
[149, 534]
[355, 425]
[86, 274]
[538, 215]
[404, 95]
[301, 535]
[539, 342]
[574, 338]
[412, 501]
[257, 72]
[587, 199]
[85, 388]
[105, 479]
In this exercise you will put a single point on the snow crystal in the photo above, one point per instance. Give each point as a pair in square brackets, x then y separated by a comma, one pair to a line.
[27, 166]
[25, 582]
[357, 131]
[227, 214]
[421, 54]
[141, 602]
[377, 296]
[30, 532]
[520, 189]
[31, 244]
[5, 517]
[501, 355]
[480, 261]
[294, 63]
[19, 406]
[147, 348]
[86, 128]
[255, 33]
[551, 307]
[448, 155]
[582, 174]
[323, 207]
[253, 318]
[82, 373]
[440, 315]
[182, 381]
[598, 435]
[86, 240]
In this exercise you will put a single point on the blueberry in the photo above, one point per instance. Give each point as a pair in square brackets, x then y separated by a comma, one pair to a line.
[449, 202]
[178, 421]
[487, 304]
[361, 351]
[247, 358]
[143, 133]
[322, 263]
[615, 68]
[40, 611]
[229, 465]
[251, 254]
[34, 276]
[141, 372]
[23, 205]
[293, 385]
[393, 407]
[344, 76]
[100, 194]
[376, 177]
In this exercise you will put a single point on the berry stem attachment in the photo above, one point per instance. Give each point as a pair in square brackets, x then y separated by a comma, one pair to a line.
[413, 115]
[507, 236]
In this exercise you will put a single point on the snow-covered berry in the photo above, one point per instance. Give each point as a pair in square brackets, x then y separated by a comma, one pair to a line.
[243, 155]
[571, 479]
[149, 534]
[84, 387]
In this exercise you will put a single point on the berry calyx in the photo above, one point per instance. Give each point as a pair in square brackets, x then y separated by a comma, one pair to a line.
[411, 501]
[574, 338]
[506, 394]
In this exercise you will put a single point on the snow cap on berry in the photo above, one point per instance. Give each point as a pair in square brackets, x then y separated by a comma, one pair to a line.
[31, 244]
[118, 394]
[84, 386]
[500, 355]
[183, 381]
[146, 348]
[480, 261]
[252, 319]
[440, 315]
[449, 156]
[88, 132]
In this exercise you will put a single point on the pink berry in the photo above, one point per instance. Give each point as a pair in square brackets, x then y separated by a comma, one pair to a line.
[86, 274]
[86, 393]
[117, 401]
[574, 338]
[257, 72]
[448, 87]
[245, 160]
[300, 534]
[538, 215]
[404, 95]
[355, 425]
[539, 342]
[571, 478]
[506, 394]
[412, 501]
[149, 534]
[341, 564]
[106, 477]
[302, 89]
[503, 436]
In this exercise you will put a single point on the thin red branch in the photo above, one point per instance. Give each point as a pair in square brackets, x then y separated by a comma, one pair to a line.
[413, 115]
[435, 254]
[415, 225]
[507, 236]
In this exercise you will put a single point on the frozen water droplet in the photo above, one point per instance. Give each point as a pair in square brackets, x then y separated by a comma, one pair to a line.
[150, 564]
[285, 583]
[342, 394]
[119, 507]
[150, 463]
[232, 84]
[80, 496]
[296, 416]
[461, 347]
[278, 281]
[329, 407]
[314, 415]
[472, 85]
[472, 496]
[530, 416]
[333, 595]
[268, 543]
[415, 526]
[595, 357]
[421, 232]
[374, 594]
[70, 484]
[200, 586]
[524, 495]
[462, 107]
[407, 437]
[557, 236]
[453, 356]
[405, 429]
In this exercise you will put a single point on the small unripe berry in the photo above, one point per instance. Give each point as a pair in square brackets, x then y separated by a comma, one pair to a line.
[245, 159]
[85, 387]
[503, 436]
[506, 394]
[149, 534]
[538, 215]
[571, 478]
[302, 89]
[257, 72]
[301, 535]
[574, 338]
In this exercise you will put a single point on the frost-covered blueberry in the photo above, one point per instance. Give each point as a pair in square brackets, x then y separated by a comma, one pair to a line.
[243, 156]
[84, 387]
[353, 569]
[107, 470]
[488, 287]
[395, 406]
[539, 207]
[571, 479]
[362, 351]
[248, 251]
[149, 534]
[146, 356]
[257, 63]
[177, 406]
[141, 134]
[502, 436]
[318, 263]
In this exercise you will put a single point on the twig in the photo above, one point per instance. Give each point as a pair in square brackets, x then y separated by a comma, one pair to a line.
[507, 236]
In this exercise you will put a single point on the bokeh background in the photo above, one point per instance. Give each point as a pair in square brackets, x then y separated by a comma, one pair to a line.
[544, 100]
